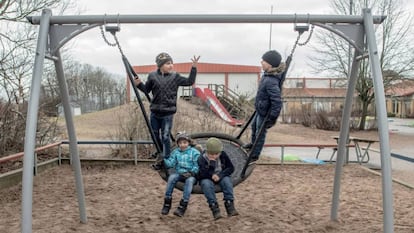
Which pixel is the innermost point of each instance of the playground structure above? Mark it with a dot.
(55, 31)
(214, 104)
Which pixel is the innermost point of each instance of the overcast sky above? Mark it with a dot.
(215, 43)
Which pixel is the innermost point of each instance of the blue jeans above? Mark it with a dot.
(208, 187)
(162, 130)
(257, 123)
(188, 186)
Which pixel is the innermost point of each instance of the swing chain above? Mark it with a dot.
(301, 43)
(116, 43)
(106, 39)
(112, 30)
(307, 39)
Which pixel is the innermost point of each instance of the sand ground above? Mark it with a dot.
(274, 198)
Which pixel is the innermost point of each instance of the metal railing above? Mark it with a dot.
(21, 154)
(60, 143)
(93, 142)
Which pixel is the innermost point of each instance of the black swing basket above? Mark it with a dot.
(232, 146)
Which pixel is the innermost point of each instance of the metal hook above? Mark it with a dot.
(301, 28)
(113, 29)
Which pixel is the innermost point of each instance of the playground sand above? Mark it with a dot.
(274, 198)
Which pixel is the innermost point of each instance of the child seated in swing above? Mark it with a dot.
(184, 160)
(216, 168)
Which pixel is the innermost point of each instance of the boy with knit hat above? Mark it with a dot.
(163, 84)
(268, 102)
(215, 167)
(184, 160)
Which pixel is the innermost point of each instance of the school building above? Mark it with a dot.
(314, 94)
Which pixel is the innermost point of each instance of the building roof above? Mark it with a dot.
(203, 68)
(314, 92)
(403, 88)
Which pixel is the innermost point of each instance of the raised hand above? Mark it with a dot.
(195, 60)
(137, 81)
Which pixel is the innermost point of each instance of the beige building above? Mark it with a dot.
(400, 99)
(299, 94)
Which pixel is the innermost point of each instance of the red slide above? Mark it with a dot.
(208, 96)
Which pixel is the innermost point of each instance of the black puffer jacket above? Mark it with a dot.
(207, 167)
(164, 89)
(268, 98)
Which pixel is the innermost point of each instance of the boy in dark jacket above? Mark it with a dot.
(268, 101)
(163, 84)
(215, 167)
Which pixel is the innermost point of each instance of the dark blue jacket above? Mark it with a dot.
(164, 89)
(268, 97)
(207, 167)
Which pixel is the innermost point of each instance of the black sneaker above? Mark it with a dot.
(154, 155)
(247, 146)
(157, 166)
(254, 158)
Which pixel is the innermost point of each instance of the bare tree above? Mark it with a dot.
(93, 87)
(17, 47)
(394, 39)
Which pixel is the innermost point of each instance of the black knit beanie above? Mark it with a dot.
(272, 57)
(162, 58)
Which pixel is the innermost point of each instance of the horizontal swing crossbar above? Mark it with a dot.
(207, 18)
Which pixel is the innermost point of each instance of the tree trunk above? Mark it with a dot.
(364, 114)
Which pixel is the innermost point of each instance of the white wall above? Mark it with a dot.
(76, 111)
(315, 83)
(204, 79)
(243, 84)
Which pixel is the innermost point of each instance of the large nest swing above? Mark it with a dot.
(232, 146)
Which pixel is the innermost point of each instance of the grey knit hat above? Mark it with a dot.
(182, 136)
(163, 58)
(214, 146)
(272, 57)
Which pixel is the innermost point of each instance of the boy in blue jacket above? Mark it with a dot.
(268, 102)
(215, 167)
(184, 159)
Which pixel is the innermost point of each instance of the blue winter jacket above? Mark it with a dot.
(268, 97)
(183, 161)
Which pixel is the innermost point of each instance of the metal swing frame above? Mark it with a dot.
(55, 31)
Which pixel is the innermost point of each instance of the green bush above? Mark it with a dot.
(391, 114)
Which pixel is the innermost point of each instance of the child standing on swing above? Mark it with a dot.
(163, 83)
(268, 101)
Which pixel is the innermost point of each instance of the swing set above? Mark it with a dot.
(232, 145)
(55, 31)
